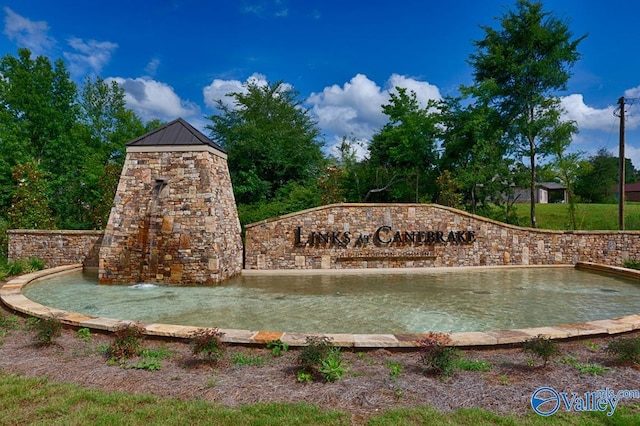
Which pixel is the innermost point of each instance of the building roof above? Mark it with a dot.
(551, 185)
(175, 133)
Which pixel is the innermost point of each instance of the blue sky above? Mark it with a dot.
(175, 58)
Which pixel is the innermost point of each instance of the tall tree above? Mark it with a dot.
(600, 183)
(475, 150)
(105, 126)
(38, 112)
(568, 168)
(405, 148)
(270, 139)
(518, 68)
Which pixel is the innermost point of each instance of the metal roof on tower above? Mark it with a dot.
(175, 133)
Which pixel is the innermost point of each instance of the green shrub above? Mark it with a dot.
(46, 330)
(277, 347)
(469, 365)
(17, 267)
(208, 341)
(626, 350)
(242, 360)
(319, 357)
(435, 354)
(126, 343)
(541, 347)
(331, 367)
(35, 264)
(84, 334)
(632, 264)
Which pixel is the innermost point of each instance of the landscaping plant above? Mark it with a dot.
(126, 343)
(208, 341)
(541, 347)
(626, 350)
(437, 355)
(46, 330)
(320, 357)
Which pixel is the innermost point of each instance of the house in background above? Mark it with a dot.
(546, 192)
(631, 191)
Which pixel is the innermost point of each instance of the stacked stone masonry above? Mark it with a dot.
(342, 236)
(56, 248)
(174, 220)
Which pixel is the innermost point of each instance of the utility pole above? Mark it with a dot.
(622, 164)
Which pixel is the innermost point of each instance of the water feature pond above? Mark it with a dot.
(440, 300)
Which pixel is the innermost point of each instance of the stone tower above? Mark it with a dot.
(174, 217)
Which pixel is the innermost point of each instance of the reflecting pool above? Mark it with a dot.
(439, 300)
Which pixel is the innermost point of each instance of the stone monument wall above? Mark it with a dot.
(56, 248)
(420, 235)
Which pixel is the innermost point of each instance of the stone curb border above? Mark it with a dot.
(11, 295)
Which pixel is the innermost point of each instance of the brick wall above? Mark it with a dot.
(420, 235)
(56, 248)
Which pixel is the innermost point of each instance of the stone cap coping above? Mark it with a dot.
(11, 295)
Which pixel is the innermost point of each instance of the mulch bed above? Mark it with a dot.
(366, 388)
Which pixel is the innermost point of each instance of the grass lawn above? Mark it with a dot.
(589, 216)
(38, 401)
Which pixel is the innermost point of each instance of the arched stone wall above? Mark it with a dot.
(420, 235)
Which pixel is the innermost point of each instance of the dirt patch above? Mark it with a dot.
(368, 386)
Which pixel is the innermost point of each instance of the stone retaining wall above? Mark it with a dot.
(420, 235)
(56, 248)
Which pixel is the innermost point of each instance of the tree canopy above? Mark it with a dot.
(271, 141)
(518, 69)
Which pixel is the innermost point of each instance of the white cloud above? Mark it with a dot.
(354, 110)
(585, 116)
(153, 99)
(89, 56)
(219, 89)
(633, 154)
(152, 67)
(26, 33)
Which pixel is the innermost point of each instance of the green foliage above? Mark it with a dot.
(395, 369)
(241, 360)
(599, 184)
(84, 334)
(21, 266)
(541, 347)
(632, 263)
(270, 139)
(291, 198)
(626, 350)
(59, 143)
(304, 377)
(126, 342)
(46, 330)
(208, 341)
(316, 349)
(277, 347)
(469, 365)
(405, 150)
(331, 367)
(320, 357)
(517, 69)
(593, 369)
(29, 207)
(9, 322)
(147, 364)
(435, 354)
